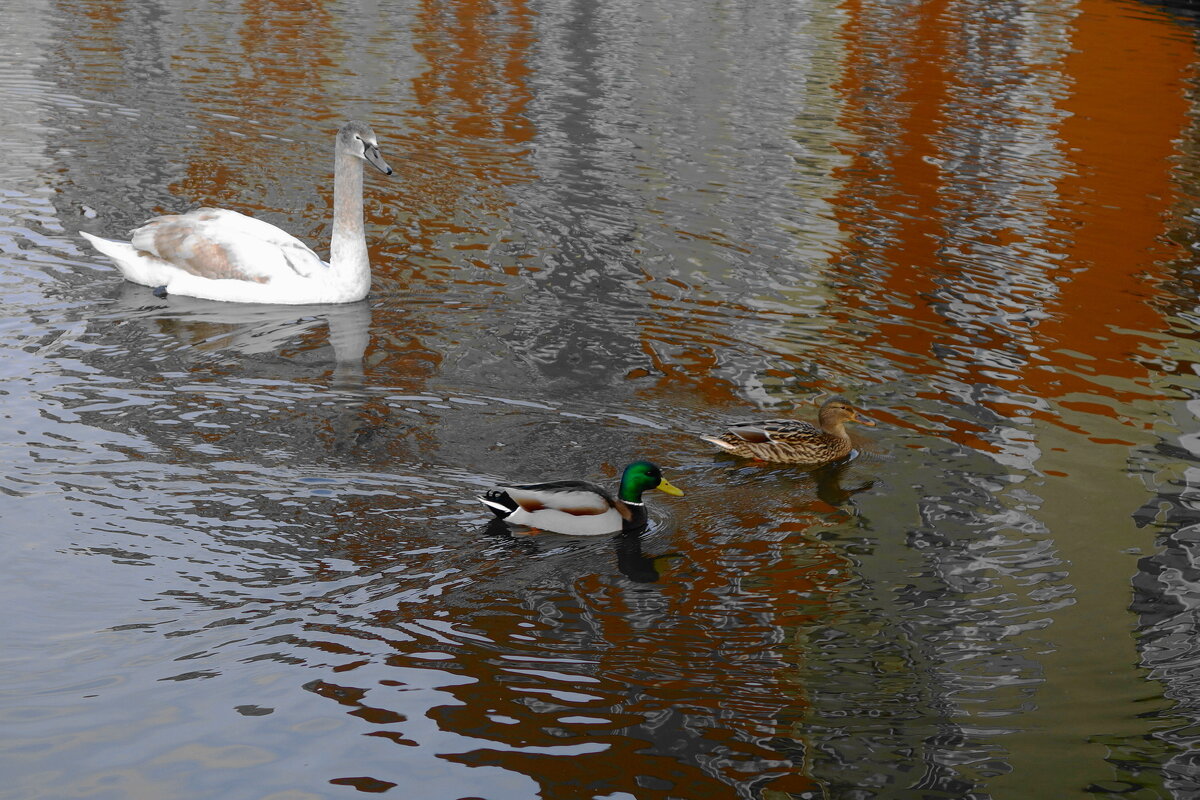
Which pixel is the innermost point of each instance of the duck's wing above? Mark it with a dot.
(219, 244)
(773, 431)
(578, 498)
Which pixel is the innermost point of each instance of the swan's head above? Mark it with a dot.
(357, 139)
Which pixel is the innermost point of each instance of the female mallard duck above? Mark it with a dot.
(791, 441)
(216, 254)
(578, 507)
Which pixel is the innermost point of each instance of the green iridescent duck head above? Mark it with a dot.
(642, 476)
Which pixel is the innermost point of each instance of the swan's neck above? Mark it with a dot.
(348, 250)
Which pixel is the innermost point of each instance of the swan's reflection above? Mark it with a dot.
(295, 334)
(252, 329)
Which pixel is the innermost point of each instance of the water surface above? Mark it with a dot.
(242, 554)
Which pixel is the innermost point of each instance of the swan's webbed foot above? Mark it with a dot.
(160, 291)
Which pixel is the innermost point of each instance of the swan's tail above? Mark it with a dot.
(111, 248)
(135, 265)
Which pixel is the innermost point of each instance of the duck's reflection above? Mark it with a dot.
(497, 529)
(631, 561)
(829, 483)
(828, 480)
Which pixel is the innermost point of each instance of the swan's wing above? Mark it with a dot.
(572, 497)
(220, 244)
(772, 430)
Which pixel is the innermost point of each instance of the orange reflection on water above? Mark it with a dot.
(986, 277)
(468, 134)
(1126, 114)
(649, 671)
(463, 138)
(284, 61)
(475, 86)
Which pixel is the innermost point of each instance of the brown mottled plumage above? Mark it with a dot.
(792, 441)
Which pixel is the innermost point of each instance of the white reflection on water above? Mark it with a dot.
(243, 556)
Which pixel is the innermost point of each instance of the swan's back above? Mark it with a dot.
(219, 244)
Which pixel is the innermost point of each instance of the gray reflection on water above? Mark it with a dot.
(1168, 606)
(242, 540)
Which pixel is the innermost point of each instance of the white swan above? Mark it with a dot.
(215, 254)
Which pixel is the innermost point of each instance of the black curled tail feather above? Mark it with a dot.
(499, 502)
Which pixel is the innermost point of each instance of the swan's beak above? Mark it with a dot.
(664, 486)
(371, 154)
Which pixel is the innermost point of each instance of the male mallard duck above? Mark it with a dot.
(578, 507)
(792, 441)
(215, 254)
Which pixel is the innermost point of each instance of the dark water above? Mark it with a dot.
(241, 554)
